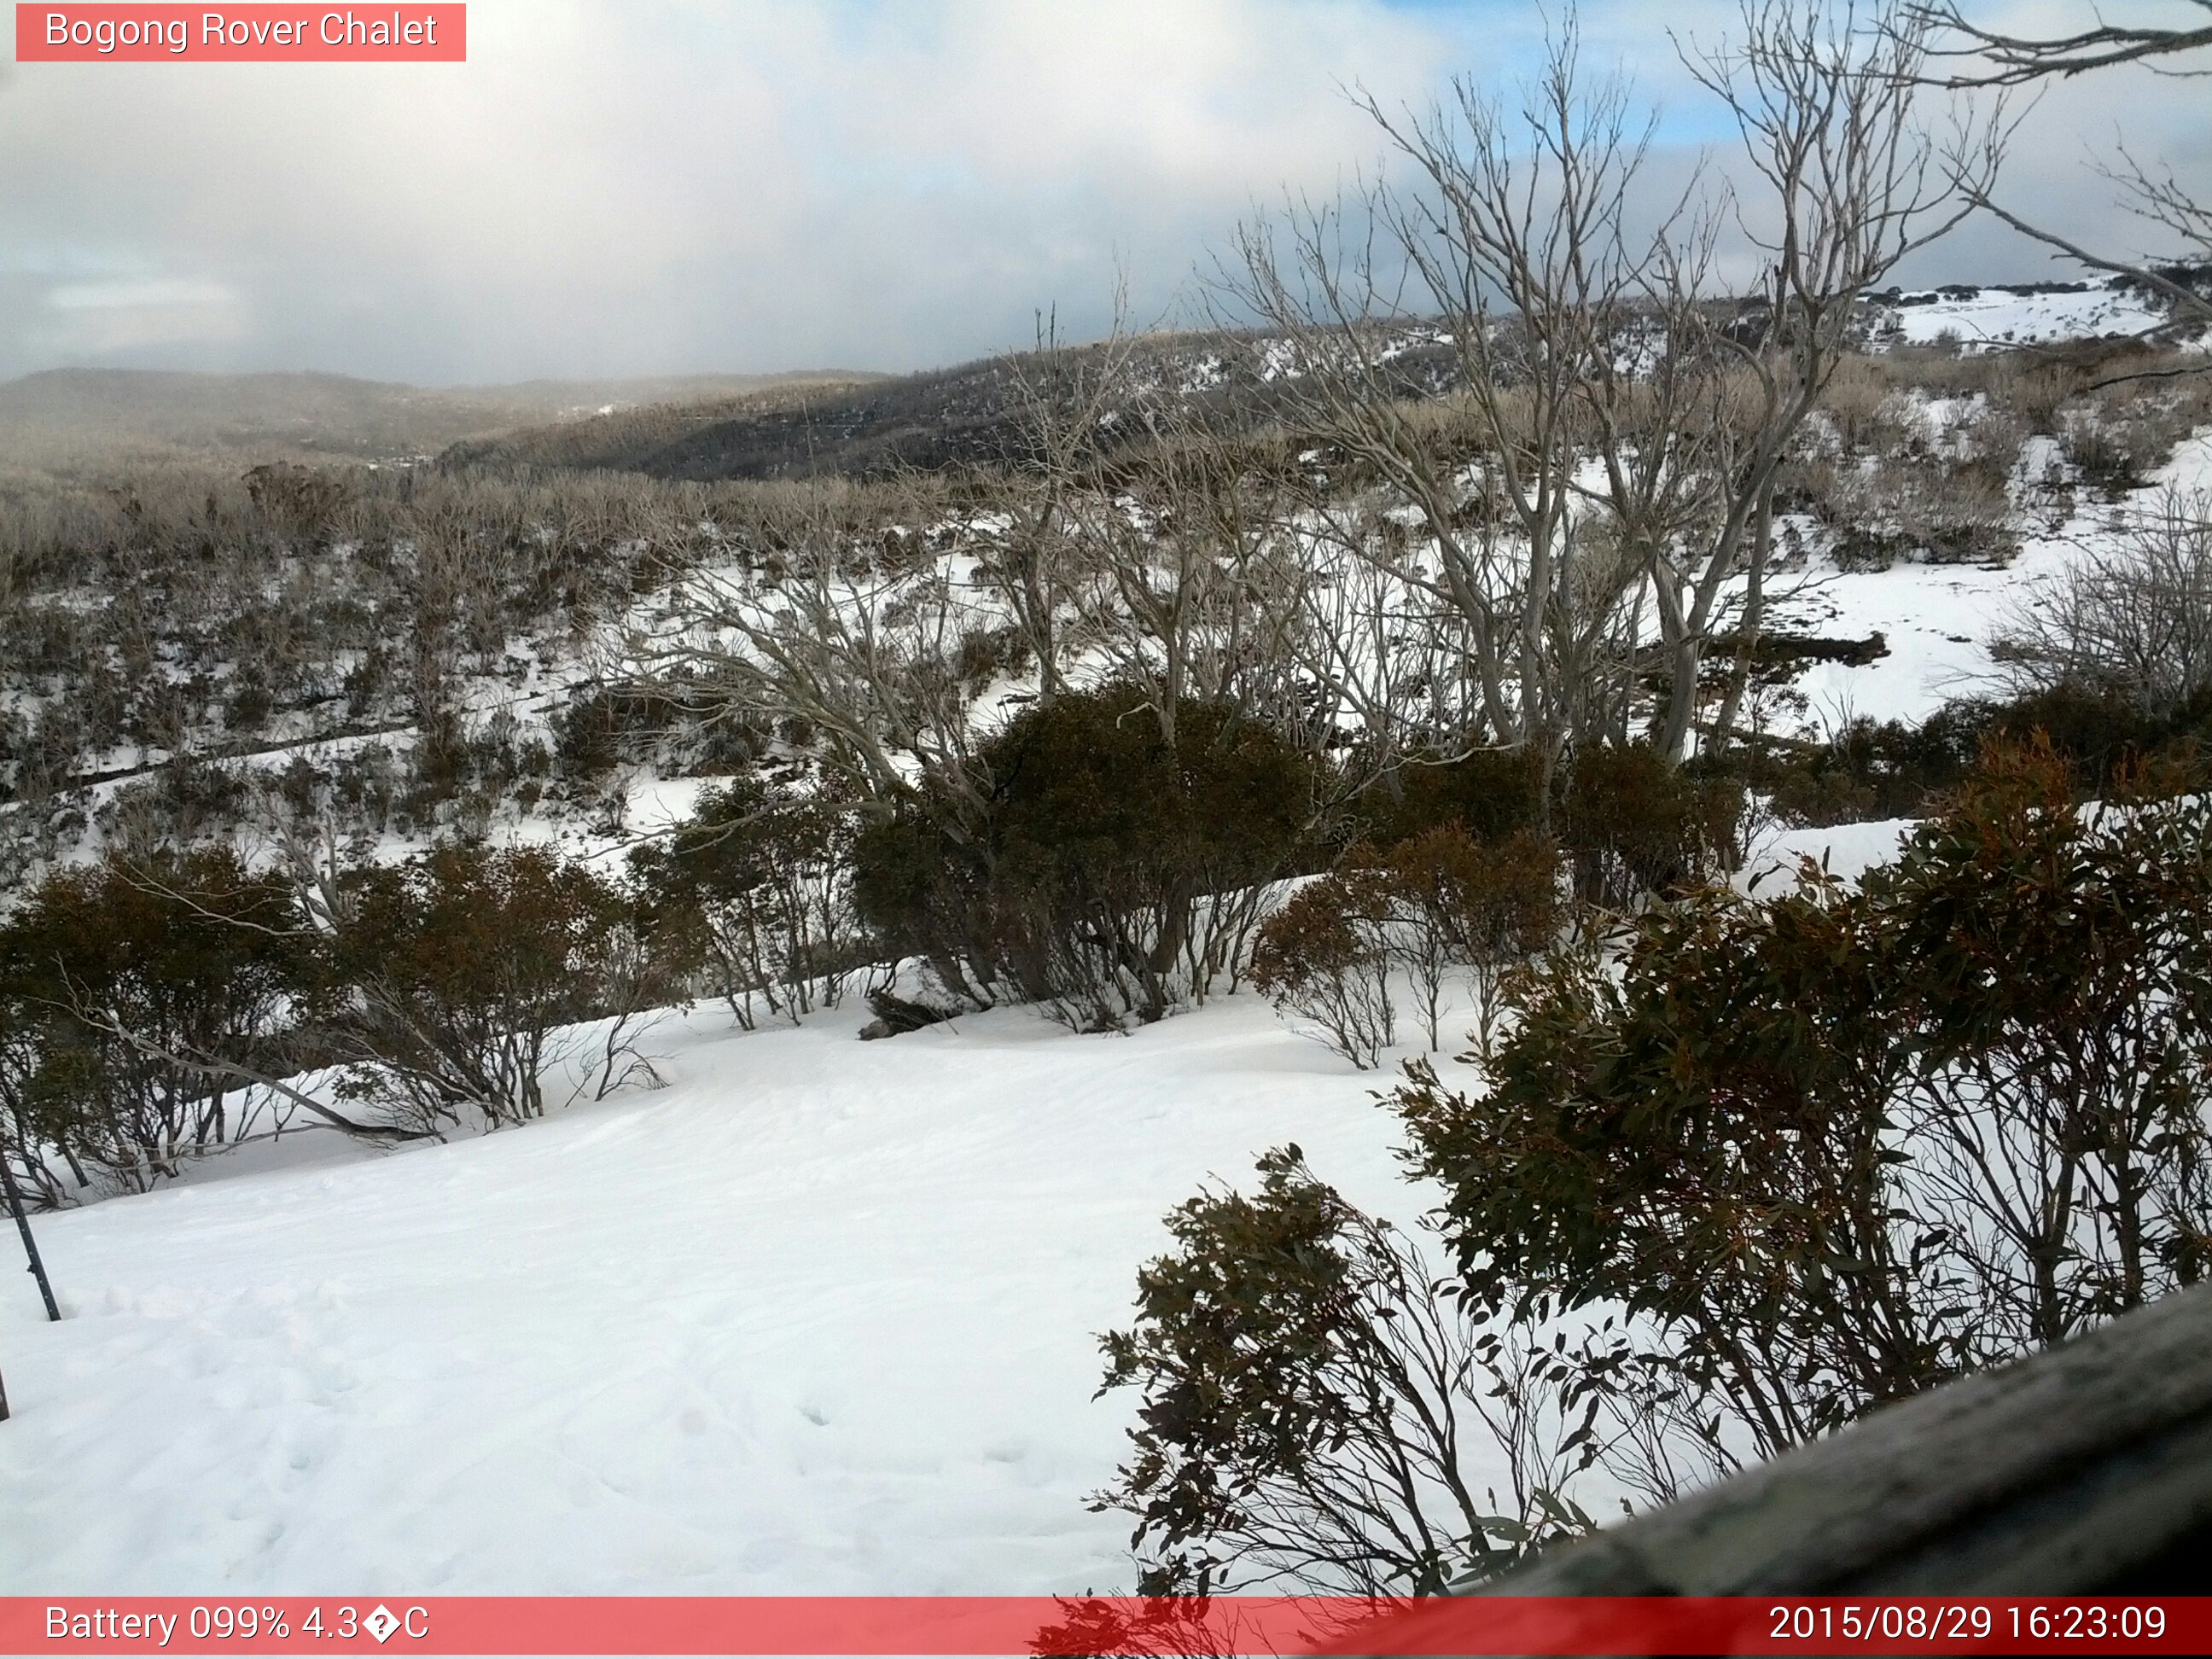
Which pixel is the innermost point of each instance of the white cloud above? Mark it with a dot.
(613, 185)
(159, 293)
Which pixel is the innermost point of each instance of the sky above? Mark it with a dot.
(647, 186)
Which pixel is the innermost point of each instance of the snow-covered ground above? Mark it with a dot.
(1936, 619)
(819, 1316)
(1846, 851)
(2000, 317)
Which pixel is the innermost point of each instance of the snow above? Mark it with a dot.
(1998, 317)
(1936, 619)
(1846, 851)
(818, 1317)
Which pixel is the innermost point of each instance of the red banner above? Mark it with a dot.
(78, 34)
(1024, 1625)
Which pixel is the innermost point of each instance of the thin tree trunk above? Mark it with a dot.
(1754, 618)
(30, 1249)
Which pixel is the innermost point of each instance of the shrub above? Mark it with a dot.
(1877, 769)
(129, 992)
(1869, 769)
(1465, 904)
(1096, 867)
(1489, 793)
(1633, 825)
(1314, 1400)
(759, 886)
(1835, 1146)
(2117, 440)
(610, 726)
(453, 981)
(2134, 625)
(1326, 956)
(1915, 507)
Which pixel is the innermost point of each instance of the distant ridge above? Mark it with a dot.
(58, 411)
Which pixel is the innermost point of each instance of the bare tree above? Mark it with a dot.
(2013, 60)
(2153, 194)
(1830, 107)
(1200, 580)
(1509, 254)
(1070, 401)
(1577, 336)
(860, 650)
(2135, 622)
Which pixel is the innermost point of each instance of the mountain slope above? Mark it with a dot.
(94, 410)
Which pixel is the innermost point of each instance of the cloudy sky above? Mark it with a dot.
(619, 186)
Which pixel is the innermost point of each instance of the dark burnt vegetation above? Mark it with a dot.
(975, 415)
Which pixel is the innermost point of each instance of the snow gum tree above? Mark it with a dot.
(1604, 450)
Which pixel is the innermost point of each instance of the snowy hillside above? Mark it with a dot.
(2032, 315)
(1935, 619)
(818, 1316)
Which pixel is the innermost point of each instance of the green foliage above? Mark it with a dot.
(1098, 868)
(757, 886)
(1835, 1146)
(451, 975)
(1310, 1399)
(1890, 768)
(1632, 825)
(120, 984)
(2102, 737)
(1489, 794)
(1877, 770)
(2051, 968)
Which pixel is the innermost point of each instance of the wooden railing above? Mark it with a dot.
(2085, 1470)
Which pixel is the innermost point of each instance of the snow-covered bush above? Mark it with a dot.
(1888, 508)
(2116, 440)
